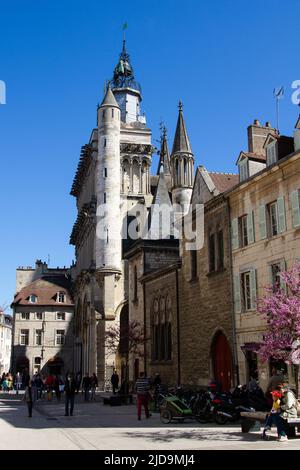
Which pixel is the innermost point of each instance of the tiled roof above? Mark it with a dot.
(224, 181)
(45, 290)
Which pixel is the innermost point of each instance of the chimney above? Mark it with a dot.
(257, 135)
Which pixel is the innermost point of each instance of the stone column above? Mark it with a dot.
(131, 176)
(140, 177)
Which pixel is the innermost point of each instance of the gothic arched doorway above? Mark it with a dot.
(222, 361)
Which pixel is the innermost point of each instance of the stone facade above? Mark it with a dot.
(205, 302)
(264, 212)
(43, 326)
(5, 342)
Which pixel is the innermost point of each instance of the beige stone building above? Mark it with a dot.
(5, 341)
(43, 312)
(265, 222)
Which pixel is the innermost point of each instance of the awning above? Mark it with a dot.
(254, 347)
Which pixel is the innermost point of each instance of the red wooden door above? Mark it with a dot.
(222, 362)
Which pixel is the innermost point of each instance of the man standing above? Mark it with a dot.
(142, 388)
(115, 381)
(70, 388)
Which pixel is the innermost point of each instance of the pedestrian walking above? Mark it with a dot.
(28, 398)
(18, 382)
(86, 385)
(78, 381)
(70, 388)
(142, 387)
(94, 385)
(114, 381)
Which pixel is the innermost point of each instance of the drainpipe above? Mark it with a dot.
(145, 330)
(234, 344)
(178, 331)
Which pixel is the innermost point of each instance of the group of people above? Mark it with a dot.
(38, 385)
(284, 405)
(6, 382)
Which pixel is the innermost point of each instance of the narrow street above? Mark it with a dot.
(95, 426)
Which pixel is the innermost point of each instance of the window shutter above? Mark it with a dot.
(270, 275)
(281, 214)
(262, 222)
(250, 227)
(282, 268)
(237, 293)
(253, 288)
(234, 234)
(294, 196)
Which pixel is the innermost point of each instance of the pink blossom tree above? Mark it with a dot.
(280, 307)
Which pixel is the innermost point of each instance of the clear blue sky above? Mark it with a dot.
(222, 58)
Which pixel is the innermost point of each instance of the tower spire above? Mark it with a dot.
(181, 139)
(164, 155)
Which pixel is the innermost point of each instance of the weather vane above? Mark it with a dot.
(278, 93)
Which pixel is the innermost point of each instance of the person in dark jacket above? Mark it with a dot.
(86, 385)
(70, 388)
(114, 381)
(28, 398)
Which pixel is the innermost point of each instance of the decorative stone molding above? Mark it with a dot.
(127, 147)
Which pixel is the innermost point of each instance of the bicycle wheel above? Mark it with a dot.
(165, 416)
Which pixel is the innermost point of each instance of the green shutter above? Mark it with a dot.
(234, 234)
(253, 288)
(282, 268)
(281, 214)
(262, 222)
(237, 293)
(250, 227)
(270, 274)
(294, 196)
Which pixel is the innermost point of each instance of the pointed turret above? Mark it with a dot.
(164, 155)
(182, 165)
(109, 99)
(181, 139)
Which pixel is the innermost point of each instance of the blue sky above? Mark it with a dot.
(222, 58)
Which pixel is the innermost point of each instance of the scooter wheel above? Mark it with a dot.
(202, 418)
(220, 419)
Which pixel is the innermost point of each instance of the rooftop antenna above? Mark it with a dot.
(48, 260)
(278, 94)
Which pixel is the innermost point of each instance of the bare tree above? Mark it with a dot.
(128, 340)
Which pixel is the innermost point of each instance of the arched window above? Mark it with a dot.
(162, 330)
(32, 298)
(177, 173)
(185, 172)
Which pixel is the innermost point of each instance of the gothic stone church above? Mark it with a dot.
(182, 304)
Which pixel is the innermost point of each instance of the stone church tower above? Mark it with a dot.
(113, 175)
(112, 178)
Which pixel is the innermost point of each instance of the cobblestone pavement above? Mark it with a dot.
(98, 426)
